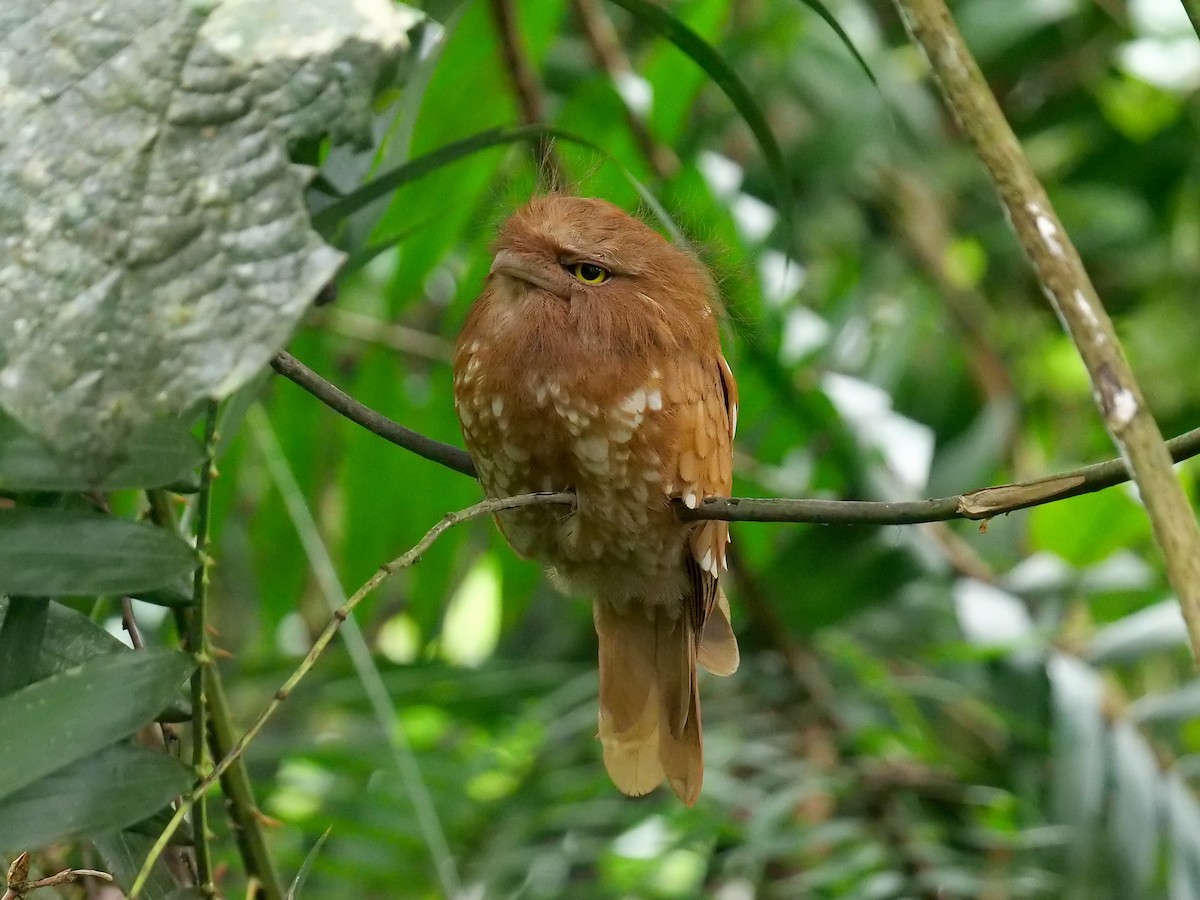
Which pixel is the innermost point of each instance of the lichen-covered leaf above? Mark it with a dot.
(156, 247)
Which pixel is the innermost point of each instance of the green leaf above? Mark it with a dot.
(164, 454)
(71, 638)
(827, 17)
(431, 162)
(21, 642)
(297, 886)
(177, 593)
(59, 552)
(170, 254)
(118, 786)
(123, 853)
(710, 60)
(1086, 529)
(66, 717)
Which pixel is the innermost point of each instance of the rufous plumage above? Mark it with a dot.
(592, 362)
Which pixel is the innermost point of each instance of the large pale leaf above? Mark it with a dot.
(156, 246)
(63, 718)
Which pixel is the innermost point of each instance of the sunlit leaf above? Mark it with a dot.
(1156, 627)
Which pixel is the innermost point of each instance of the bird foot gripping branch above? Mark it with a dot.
(592, 362)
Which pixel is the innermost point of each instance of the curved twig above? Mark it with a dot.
(412, 556)
(376, 423)
(979, 504)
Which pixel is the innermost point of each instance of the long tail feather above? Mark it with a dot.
(649, 704)
(718, 645)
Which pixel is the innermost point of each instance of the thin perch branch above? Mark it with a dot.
(339, 401)
(980, 504)
(484, 508)
(1070, 291)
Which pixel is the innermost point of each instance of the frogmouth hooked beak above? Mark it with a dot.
(516, 266)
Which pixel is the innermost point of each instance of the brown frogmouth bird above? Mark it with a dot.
(592, 363)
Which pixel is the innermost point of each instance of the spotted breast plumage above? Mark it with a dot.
(592, 362)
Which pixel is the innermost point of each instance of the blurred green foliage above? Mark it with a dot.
(931, 711)
(918, 713)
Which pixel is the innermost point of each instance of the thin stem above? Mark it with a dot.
(984, 503)
(339, 401)
(398, 337)
(129, 623)
(413, 555)
(390, 724)
(198, 645)
(236, 785)
(1070, 291)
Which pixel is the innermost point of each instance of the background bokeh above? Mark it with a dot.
(927, 711)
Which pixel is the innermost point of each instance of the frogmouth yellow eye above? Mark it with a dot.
(588, 273)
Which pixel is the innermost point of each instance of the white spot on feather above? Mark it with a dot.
(706, 562)
(497, 406)
(515, 453)
(690, 501)
(654, 399)
(592, 448)
(733, 420)
(635, 402)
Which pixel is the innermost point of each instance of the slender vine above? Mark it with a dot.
(413, 555)
(197, 642)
